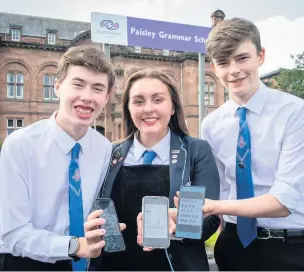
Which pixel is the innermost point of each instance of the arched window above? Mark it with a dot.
(14, 85)
(48, 88)
(209, 94)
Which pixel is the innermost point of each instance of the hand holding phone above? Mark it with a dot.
(113, 238)
(155, 222)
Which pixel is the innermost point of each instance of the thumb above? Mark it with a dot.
(175, 201)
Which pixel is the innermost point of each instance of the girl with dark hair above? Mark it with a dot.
(154, 123)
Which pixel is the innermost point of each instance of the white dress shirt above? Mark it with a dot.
(162, 150)
(276, 123)
(34, 187)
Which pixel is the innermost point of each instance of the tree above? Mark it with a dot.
(299, 60)
(291, 81)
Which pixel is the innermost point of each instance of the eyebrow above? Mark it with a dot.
(94, 84)
(242, 55)
(139, 95)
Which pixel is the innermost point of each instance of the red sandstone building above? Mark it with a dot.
(31, 46)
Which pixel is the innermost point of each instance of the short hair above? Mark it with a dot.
(177, 123)
(225, 38)
(89, 57)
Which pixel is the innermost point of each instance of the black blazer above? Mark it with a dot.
(195, 165)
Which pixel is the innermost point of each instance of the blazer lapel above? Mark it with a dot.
(178, 158)
(118, 157)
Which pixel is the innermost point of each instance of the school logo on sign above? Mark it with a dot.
(109, 24)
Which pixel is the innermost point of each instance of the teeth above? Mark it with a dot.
(83, 111)
(150, 119)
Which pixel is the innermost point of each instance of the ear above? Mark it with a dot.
(261, 56)
(57, 86)
(212, 66)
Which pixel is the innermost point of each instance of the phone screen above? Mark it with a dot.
(190, 215)
(113, 237)
(155, 222)
(155, 218)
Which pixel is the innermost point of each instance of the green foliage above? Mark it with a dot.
(291, 81)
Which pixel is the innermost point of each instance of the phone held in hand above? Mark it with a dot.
(155, 222)
(113, 237)
(190, 215)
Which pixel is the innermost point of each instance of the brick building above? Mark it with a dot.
(31, 46)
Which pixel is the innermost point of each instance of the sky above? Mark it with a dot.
(281, 23)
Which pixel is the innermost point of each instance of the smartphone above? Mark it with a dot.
(113, 237)
(190, 215)
(155, 222)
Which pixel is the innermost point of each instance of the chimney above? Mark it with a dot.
(217, 16)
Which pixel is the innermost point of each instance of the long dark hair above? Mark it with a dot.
(177, 122)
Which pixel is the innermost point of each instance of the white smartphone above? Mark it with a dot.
(155, 222)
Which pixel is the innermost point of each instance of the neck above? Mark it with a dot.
(150, 140)
(75, 132)
(243, 99)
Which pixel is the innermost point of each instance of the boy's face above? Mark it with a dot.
(83, 94)
(240, 72)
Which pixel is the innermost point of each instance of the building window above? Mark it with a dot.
(14, 85)
(166, 52)
(226, 95)
(137, 49)
(51, 38)
(119, 131)
(13, 124)
(48, 88)
(209, 94)
(16, 34)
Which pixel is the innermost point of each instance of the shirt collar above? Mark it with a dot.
(255, 103)
(64, 140)
(160, 148)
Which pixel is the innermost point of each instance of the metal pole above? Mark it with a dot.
(106, 50)
(201, 89)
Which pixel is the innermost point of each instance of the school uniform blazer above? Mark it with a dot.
(194, 165)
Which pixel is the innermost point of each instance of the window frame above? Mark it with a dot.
(15, 83)
(15, 31)
(51, 87)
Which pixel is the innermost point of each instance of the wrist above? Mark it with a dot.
(218, 207)
(82, 251)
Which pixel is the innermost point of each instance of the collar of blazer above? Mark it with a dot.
(179, 164)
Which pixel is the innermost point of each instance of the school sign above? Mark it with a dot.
(130, 31)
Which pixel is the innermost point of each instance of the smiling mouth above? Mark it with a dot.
(150, 120)
(84, 111)
(237, 80)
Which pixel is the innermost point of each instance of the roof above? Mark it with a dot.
(271, 74)
(38, 26)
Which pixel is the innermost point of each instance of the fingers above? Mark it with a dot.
(172, 220)
(97, 233)
(95, 214)
(122, 226)
(139, 229)
(93, 224)
(95, 249)
(176, 199)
